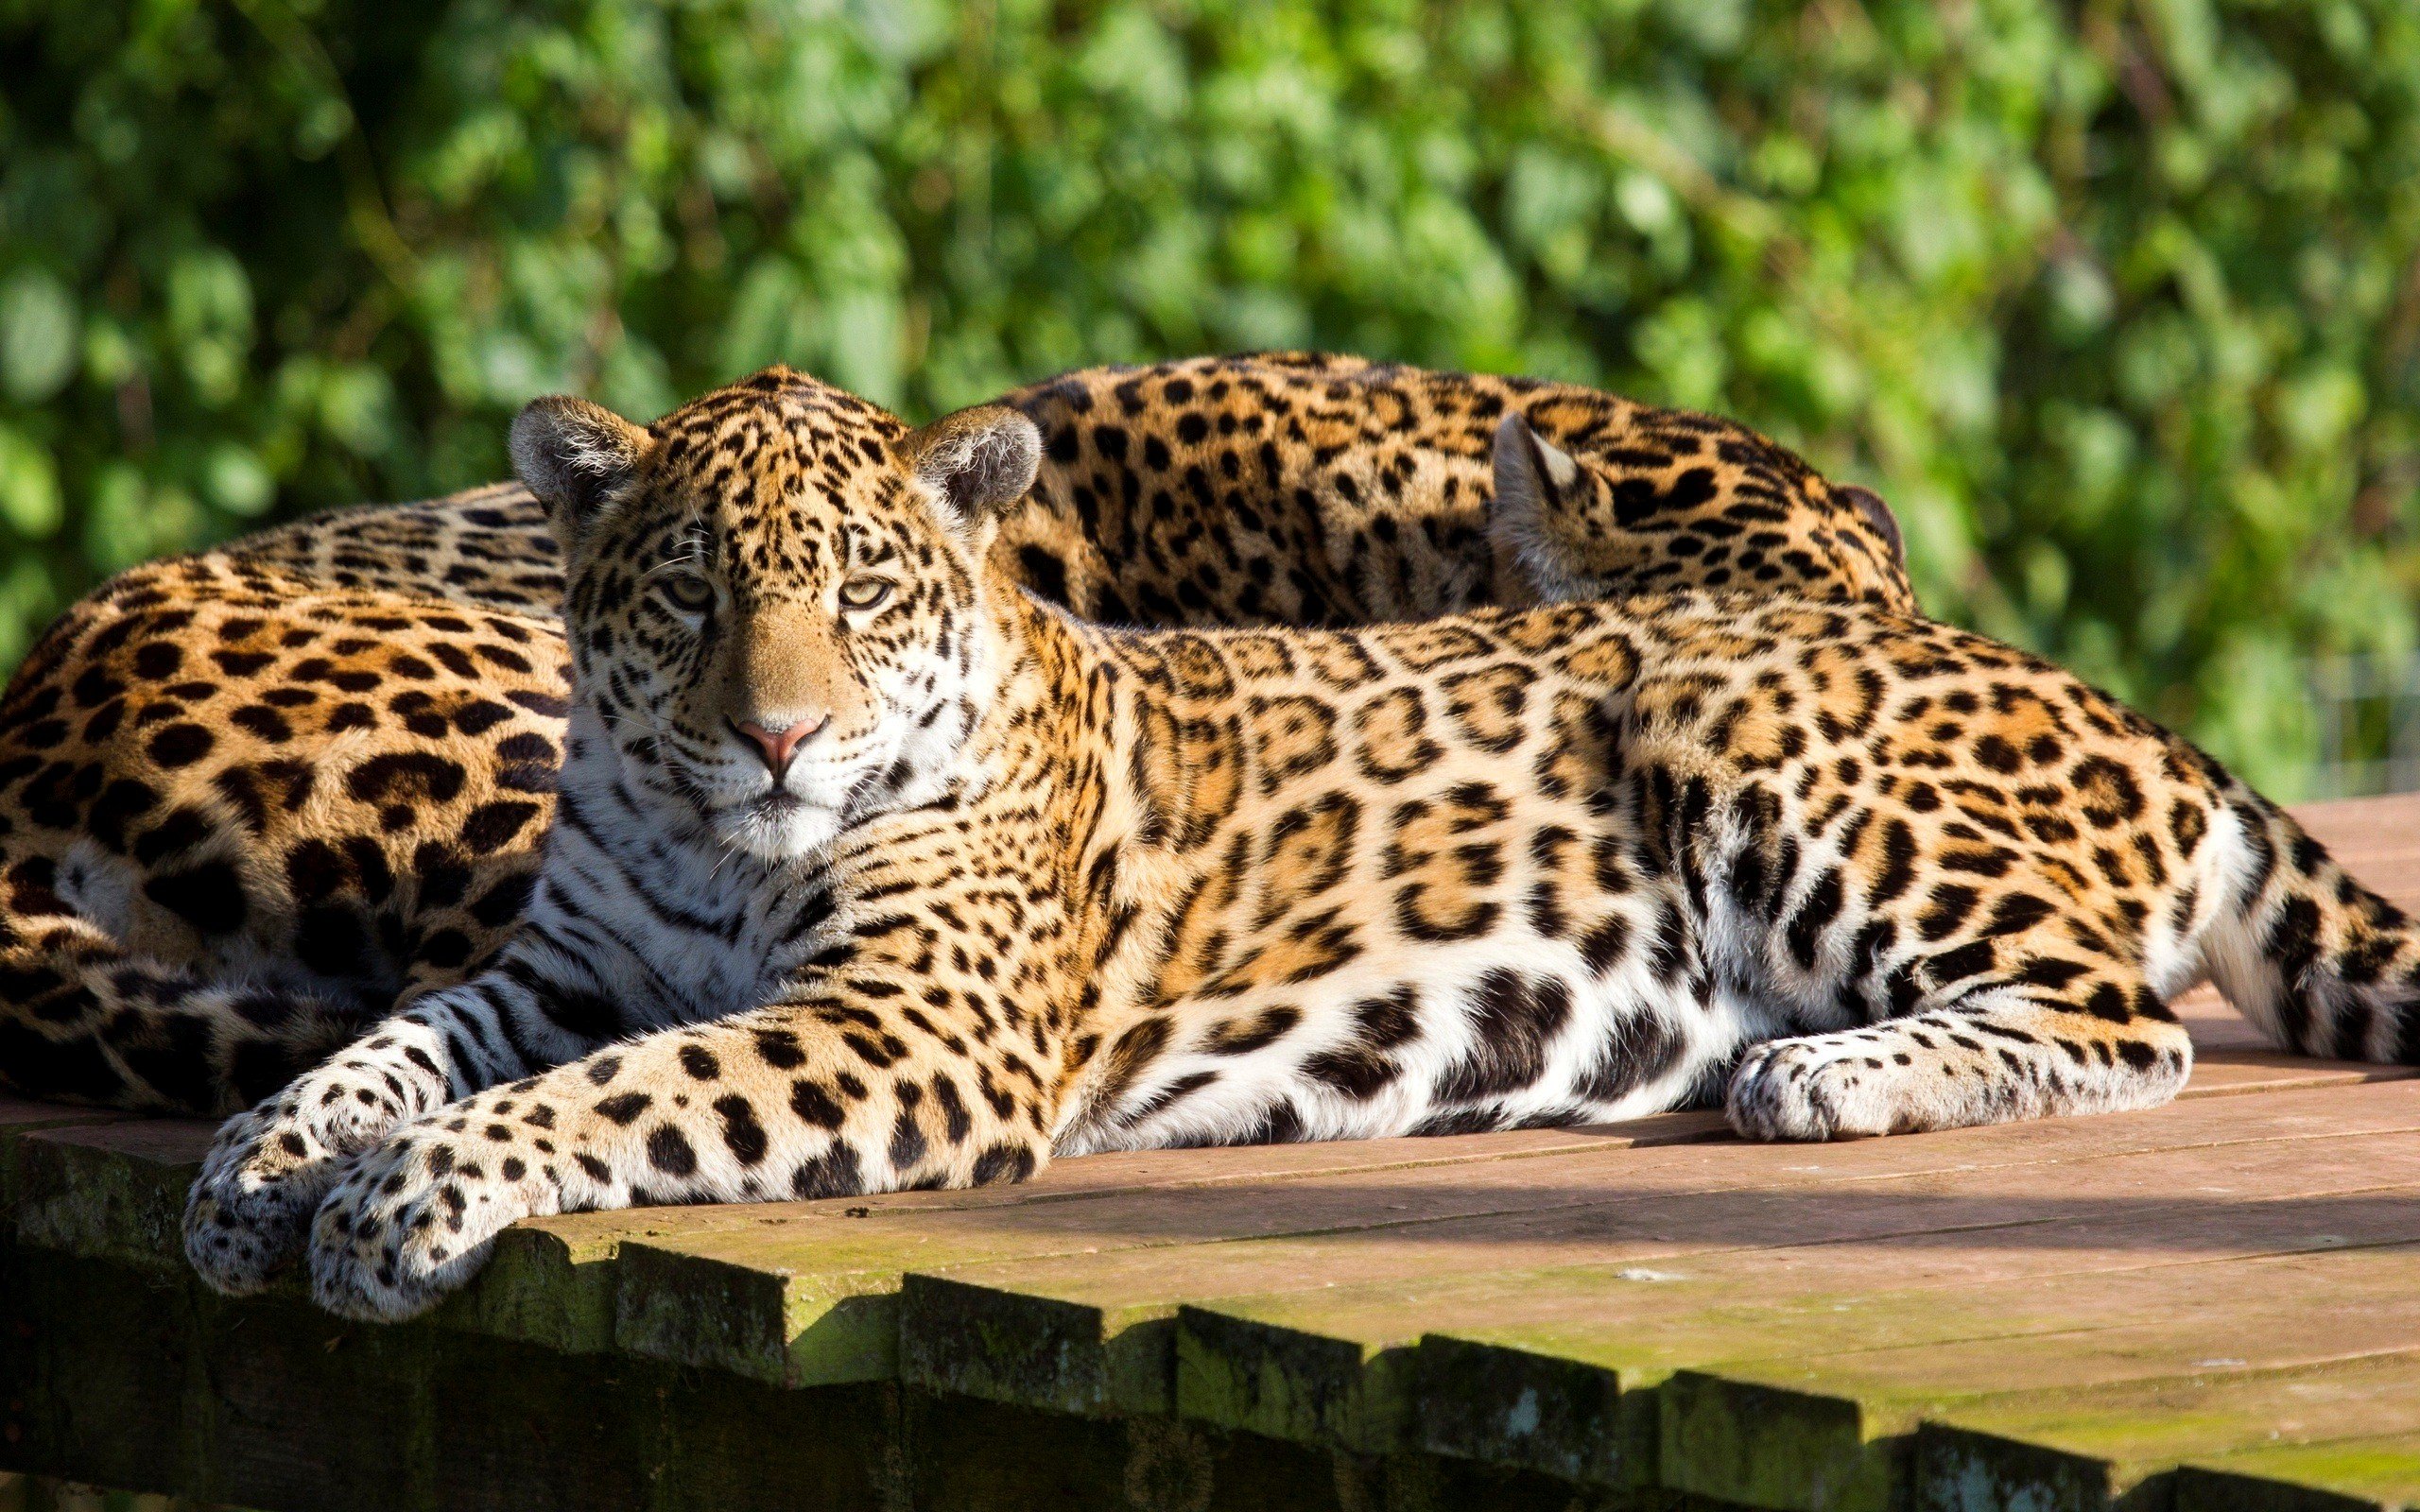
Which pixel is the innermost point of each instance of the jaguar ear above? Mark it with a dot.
(1533, 478)
(1877, 514)
(977, 462)
(575, 456)
(1530, 473)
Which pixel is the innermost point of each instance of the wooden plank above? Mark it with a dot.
(2229, 1071)
(1056, 1329)
(1642, 1313)
(2100, 1447)
(1636, 1314)
(1689, 1309)
(2336, 1476)
(1995, 1377)
(106, 1189)
(19, 1118)
(806, 1292)
(1647, 1311)
(553, 1280)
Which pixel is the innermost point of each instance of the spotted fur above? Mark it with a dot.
(1323, 490)
(251, 800)
(873, 870)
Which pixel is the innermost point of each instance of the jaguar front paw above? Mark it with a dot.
(249, 1209)
(413, 1220)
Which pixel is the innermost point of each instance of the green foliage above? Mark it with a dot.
(2116, 300)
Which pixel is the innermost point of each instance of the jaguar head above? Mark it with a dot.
(775, 596)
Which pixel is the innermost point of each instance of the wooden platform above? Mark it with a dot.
(2211, 1308)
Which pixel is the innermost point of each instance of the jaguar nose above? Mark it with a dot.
(777, 744)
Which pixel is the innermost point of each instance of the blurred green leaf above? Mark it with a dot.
(38, 336)
(29, 485)
(235, 481)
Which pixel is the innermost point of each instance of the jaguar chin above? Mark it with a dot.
(776, 825)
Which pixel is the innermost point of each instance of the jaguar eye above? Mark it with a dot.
(688, 592)
(864, 593)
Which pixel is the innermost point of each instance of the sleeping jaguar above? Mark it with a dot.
(251, 800)
(870, 868)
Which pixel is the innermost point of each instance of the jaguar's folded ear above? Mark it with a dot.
(1530, 518)
(575, 456)
(1530, 472)
(977, 462)
(1877, 514)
